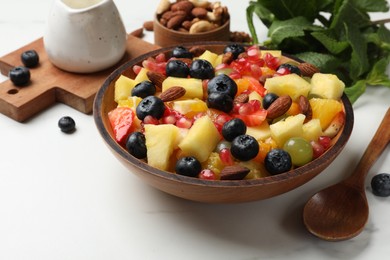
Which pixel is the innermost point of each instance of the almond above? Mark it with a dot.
(185, 6)
(138, 33)
(199, 12)
(279, 107)
(156, 78)
(308, 69)
(172, 93)
(227, 57)
(148, 25)
(305, 107)
(234, 172)
(242, 98)
(197, 50)
(176, 21)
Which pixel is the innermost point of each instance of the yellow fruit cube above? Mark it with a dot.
(131, 102)
(291, 84)
(209, 56)
(141, 76)
(201, 140)
(123, 86)
(260, 132)
(254, 95)
(193, 87)
(161, 141)
(326, 86)
(312, 130)
(325, 110)
(275, 53)
(190, 107)
(287, 128)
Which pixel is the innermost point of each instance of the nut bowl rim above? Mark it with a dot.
(314, 167)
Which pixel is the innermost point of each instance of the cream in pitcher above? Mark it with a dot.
(84, 36)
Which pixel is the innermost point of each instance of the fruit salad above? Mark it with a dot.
(244, 113)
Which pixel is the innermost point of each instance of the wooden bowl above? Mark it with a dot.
(206, 190)
(165, 37)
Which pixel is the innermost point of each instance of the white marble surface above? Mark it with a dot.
(67, 197)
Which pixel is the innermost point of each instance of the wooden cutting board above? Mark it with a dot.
(50, 84)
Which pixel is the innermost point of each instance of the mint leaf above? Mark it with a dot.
(377, 75)
(372, 6)
(295, 27)
(349, 13)
(330, 41)
(355, 91)
(325, 62)
(359, 62)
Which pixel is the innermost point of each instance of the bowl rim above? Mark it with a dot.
(329, 154)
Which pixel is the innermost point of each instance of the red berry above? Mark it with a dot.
(318, 149)
(184, 122)
(325, 141)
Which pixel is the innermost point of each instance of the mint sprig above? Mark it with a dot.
(337, 36)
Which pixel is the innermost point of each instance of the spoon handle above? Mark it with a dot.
(372, 153)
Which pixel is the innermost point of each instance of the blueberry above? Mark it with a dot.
(201, 69)
(177, 68)
(152, 106)
(136, 145)
(220, 101)
(290, 67)
(181, 52)
(380, 185)
(188, 166)
(244, 147)
(20, 75)
(235, 49)
(222, 84)
(30, 58)
(233, 128)
(67, 124)
(268, 99)
(143, 89)
(277, 161)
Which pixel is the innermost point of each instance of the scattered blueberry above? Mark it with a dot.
(244, 147)
(291, 68)
(201, 69)
(380, 185)
(268, 99)
(233, 128)
(177, 68)
(30, 58)
(143, 89)
(188, 166)
(277, 161)
(150, 105)
(181, 52)
(136, 146)
(222, 84)
(220, 101)
(20, 75)
(67, 124)
(235, 49)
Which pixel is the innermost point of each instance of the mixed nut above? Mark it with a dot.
(192, 16)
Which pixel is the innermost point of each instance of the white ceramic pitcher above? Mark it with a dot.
(84, 36)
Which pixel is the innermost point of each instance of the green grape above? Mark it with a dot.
(300, 150)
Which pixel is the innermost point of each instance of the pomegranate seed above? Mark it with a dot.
(246, 109)
(137, 69)
(207, 174)
(226, 156)
(236, 107)
(325, 141)
(161, 58)
(151, 120)
(283, 71)
(171, 119)
(222, 119)
(235, 75)
(271, 61)
(318, 149)
(222, 66)
(256, 105)
(256, 71)
(184, 122)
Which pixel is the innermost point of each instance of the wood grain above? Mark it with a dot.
(50, 85)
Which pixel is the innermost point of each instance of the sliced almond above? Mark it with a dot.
(279, 107)
(234, 172)
(172, 93)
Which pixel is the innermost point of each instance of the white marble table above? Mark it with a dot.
(67, 197)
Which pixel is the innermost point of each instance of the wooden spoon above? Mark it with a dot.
(340, 211)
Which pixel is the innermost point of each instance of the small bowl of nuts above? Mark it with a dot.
(190, 21)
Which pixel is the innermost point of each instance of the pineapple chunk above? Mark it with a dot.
(254, 95)
(325, 110)
(160, 144)
(141, 76)
(260, 132)
(287, 128)
(326, 86)
(190, 107)
(131, 102)
(218, 60)
(123, 86)
(291, 84)
(209, 56)
(193, 87)
(312, 130)
(275, 53)
(201, 140)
